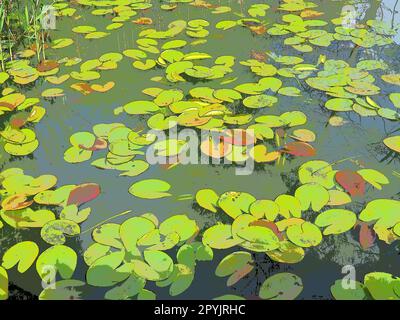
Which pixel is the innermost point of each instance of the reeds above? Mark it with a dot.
(20, 22)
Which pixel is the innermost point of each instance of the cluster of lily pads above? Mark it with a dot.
(376, 285)
(21, 111)
(301, 36)
(29, 203)
(128, 255)
(282, 229)
(352, 88)
(124, 257)
(374, 33)
(121, 143)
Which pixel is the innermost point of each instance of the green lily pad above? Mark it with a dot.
(4, 77)
(208, 199)
(23, 253)
(304, 235)
(107, 270)
(287, 253)
(339, 104)
(126, 290)
(141, 107)
(62, 258)
(63, 290)
(355, 292)
(53, 231)
(386, 213)
(312, 194)
(150, 189)
(382, 286)
(232, 263)
(259, 101)
(220, 237)
(373, 177)
(288, 206)
(317, 171)
(181, 225)
(3, 284)
(108, 234)
(235, 203)
(393, 143)
(336, 221)
(261, 239)
(62, 43)
(281, 286)
(267, 208)
(83, 29)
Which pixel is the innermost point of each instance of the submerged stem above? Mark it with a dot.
(336, 162)
(106, 220)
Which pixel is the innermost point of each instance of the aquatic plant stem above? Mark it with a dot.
(106, 220)
(336, 162)
(2, 59)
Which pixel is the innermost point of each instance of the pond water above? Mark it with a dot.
(358, 138)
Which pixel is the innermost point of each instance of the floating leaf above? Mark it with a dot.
(3, 284)
(220, 237)
(300, 149)
(235, 203)
(393, 143)
(395, 98)
(382, 286)
(366, 236)
(83, 193)
(304, 135)
(63, 290)
(385, 211)
(337, 198)
(107, 270)
(53, 231)
(336, 221)
(352, 291)
(312, 194)
(181, 225)
(62, 43)
(304, 235)
(150, 189)
(288, 206)
(317, 171)
(208, 199)
(267, 208)
(158, 267)
(391, 78)
(62, 258)
(260, 101)
(261, 238)
(83, 29)
(351, 181)
(339, 104)
(287, 253)
(128, 289)
(373, 177)
(281, 286)
(23, 253)
(141, 107)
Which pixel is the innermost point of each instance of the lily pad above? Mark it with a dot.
(150, 189)
(281, 286)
